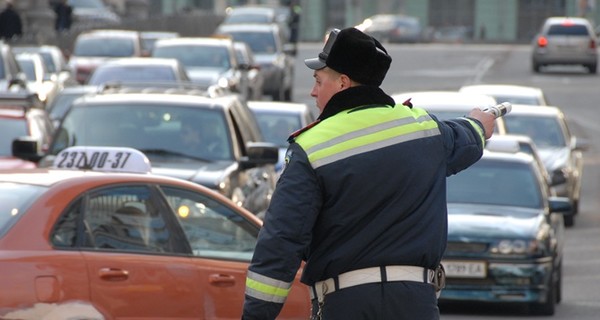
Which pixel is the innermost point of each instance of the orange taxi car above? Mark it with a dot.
(84, 244)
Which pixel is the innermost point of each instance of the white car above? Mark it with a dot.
(561, 151)
(39, 81)
(449, 104)
(515, 94)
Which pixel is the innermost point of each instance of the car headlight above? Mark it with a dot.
(518, 247)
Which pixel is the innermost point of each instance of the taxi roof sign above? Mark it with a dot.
(105, 159)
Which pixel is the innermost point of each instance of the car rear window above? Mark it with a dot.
(15, 198)
(568, 30)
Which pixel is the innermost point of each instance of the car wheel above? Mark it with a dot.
(536, 67)
(546, 308)
(569, 219)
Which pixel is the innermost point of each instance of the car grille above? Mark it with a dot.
(463, 247)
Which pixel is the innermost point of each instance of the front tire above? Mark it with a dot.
(548, 307)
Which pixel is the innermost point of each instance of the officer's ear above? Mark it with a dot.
(346, 82)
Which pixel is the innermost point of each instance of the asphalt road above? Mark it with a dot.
(448, 67)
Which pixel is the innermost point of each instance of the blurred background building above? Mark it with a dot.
(442, 20)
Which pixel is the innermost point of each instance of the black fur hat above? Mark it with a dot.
(353, 53)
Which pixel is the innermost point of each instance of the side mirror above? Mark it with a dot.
(26, 148)
(260, 153)
(290, 48)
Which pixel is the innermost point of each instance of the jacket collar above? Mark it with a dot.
(355, 97)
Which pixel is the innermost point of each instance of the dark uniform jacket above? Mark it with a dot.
(364, 187)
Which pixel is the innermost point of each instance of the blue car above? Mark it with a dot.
(505, 234)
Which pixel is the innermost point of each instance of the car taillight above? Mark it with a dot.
(592, 44)
(542, 42)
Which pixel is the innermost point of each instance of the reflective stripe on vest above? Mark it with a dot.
(351, 133)
(479, 130)
(266, 289)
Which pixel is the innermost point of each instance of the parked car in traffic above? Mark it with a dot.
(261, 14)
(150, 37)
(565, 41)
(396, 28)
(98, 235)
(272, 52)
(207, 61)
(514, 94)
(89, 14)
(250, 71)
(55, 62)
(450, 104)
(139, 70)
(22, 116)
(505, 235)
(11, 76)
(186, 133)
(39, 80)
(278, 120)
(94, 47)
(560, 149)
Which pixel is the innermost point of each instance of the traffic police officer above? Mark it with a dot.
(362, 198)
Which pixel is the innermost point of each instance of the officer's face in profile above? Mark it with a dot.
(327, 83)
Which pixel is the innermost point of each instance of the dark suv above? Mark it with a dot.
(214, 141)
(565, 41)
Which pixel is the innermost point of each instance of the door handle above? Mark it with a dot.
(221, 280)
(111, 274)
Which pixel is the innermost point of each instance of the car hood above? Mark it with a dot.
(468, 220)
(205, 76)
(208, 174)
(554, 158)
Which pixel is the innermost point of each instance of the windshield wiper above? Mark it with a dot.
(164, 152)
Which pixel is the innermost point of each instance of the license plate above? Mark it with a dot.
(465, 269)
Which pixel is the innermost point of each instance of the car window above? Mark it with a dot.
(123, 218)
(28, 67)
(48, 61)
(104, 47)
(196, 55)
(151, 128)
(509, 185)
(15, 198)
(212, 229)
(568, 30)
(277, 127)
(132, 73)
(2, 71)
(259, 42)
(544, 131)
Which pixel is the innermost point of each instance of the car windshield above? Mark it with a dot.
(61, 103)
(507, 184)
(155, 129)
(104, 47)
(15, 198)
(48, 61)
(517, 100)
(568, 30)
(132, 74)
(249, 18)
(545, 132)
(10, 129)
(277, 127)
(196, 55)
(259, 42)
(28, 67)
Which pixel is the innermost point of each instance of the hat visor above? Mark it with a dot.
(315, 63)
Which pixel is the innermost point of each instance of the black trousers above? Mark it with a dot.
(403, 300)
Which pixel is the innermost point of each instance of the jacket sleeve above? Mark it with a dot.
(464, 141)
(284, 237)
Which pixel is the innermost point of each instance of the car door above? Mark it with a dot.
(222, 241)
(138, 265)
